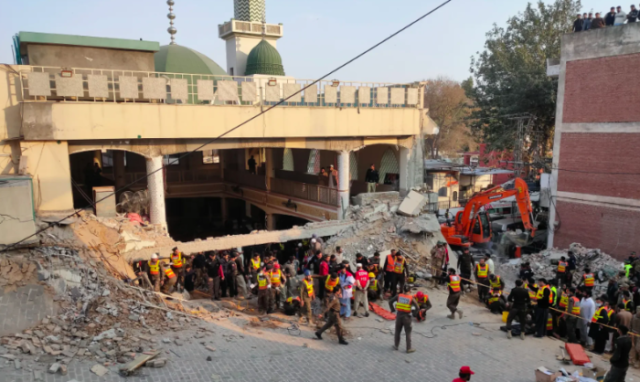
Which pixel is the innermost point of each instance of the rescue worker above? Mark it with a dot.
(482, 277)
(496, 301)
(571, 319)
(466, 264)
(332, 282)
(424, 304)
(306, 297)
(496, 283)
(178, 265)
(389, 268)
(373, 293)
(277, 278)
(600, 333)
(532, 287)
(264, 286)
(628, 301)
(403, 303)
(588, 280)
(333, 316)
(291, 307)
(400, 274)
(169, 281)
(518, 305)
(374, 265)
(151, 273)
(438, 255)
(362, 286)
(561, 271)
(544, 300)
(256, 264)
(453, 284)
(562, 302)
(552, 318)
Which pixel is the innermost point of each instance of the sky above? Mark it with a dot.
(318, 35)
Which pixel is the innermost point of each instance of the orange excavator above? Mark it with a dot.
(472, 226)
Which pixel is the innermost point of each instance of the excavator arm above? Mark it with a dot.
(521, 193)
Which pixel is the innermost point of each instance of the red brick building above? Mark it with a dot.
(595, 183)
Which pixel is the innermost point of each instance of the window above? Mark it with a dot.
(210, 156)
(455, 196)
(287, 160)
(313, 165)
(443, 191)
(107, 159)
(388, 164)
(353, 166)
(171, 160)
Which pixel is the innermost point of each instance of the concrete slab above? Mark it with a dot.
(412, 204)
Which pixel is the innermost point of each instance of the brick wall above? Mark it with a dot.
(613, 230)
(602, 153)
(602, 90)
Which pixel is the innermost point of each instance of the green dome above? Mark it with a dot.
(180, 59)
(264, 59)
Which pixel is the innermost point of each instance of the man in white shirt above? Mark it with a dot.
(492, 267)
(621, 16)
(346, 284)
(587, 310)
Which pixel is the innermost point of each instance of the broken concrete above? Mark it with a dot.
(413, 204)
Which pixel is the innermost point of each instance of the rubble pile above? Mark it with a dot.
(100, 317)
(379, 227)
(545, 263)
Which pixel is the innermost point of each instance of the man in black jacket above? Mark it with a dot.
(542, 307)
(610, 18)
(466, 263)
(578, 24)
(518, 304)
(213, 271)
(620, 358)
(372, 177)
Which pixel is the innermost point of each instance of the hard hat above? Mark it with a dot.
(276, 266)
(371, 274)
(154, 256)
(420, 295)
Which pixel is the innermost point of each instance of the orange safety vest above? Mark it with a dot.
(256, 264)
(291, 299)
(576, 308)
(399, 267)
(588, 279)
(309, 286)
(390, 264)
(599, 314)
(169, 272)
(262, 282)
(541, 294)
(483, 272)
(562, 266)
(275, 277)
(454, 283)
(626, 305)
(564, 300)
(154, 269)
(425, 298)
(176, 259)
(329, 283)
(549, 323)
(404, 303)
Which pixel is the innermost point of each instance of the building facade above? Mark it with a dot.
(595, 182)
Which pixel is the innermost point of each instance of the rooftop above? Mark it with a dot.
(96, 42)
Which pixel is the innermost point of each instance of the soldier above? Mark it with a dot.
(466, 264)
(438, 254)
(306, 296)
(178, 265)
(333, 318)
(403, 303)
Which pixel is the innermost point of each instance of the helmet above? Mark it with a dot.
(371, 274)
(420, 295)
(154, 256)
(276, 266)
(307, 273)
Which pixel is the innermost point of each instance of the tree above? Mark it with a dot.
(510, 74)
(449, 108)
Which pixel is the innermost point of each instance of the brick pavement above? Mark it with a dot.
(259, 354)
(23, 308)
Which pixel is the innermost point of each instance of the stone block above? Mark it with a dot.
(412, 205)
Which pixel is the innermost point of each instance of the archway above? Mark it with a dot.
(385, 158)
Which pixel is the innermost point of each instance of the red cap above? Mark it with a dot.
(466, 370)
(277, 266)
(419, 295)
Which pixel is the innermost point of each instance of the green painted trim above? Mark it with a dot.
(33, 198)
(97, 42)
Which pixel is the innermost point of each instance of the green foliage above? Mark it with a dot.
(510, 74)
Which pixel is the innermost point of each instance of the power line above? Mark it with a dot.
(176, 160)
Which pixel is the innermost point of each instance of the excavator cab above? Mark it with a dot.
(481, 230)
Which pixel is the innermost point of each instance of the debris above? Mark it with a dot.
(63, 369)
(412, 205)
(209, 358)
(54, 368)
(38, 376)
(140, 360)
(17, 364)
(210, 348)
(99, 370)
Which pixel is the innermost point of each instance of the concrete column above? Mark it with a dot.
(224, 209)
(269, 169)
(271, 222)
(155, 184)
(405, 176)
(343, 183)
(222, 152)
(118, 168)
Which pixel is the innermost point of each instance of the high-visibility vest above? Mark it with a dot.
(275, 277)
(373, 285)
(154, 269)
(562, 266)
(601, 313)
(169, 273)
(533, 297)
(176, 260)
(291, 299)
(554, 295)
(564, 300)
(309, 286)
(576, 308)
(541, 294)
(549, 323)
(627, 270)
(482, 272)
(399, 266)
(454, 283)
(390, 264)
(255, 263)
(262, 281)
(424, 300)
(495, 284)
(404, 303)
(330, 283)
(626, 305)
(493, 299)
(374, 268)
(495, 291)
(588, 279)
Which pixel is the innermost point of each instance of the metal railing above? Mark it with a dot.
(245, 178)
(41, 83)
(192, 176)
(312, 192)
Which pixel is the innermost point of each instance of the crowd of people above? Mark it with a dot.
(616, 16)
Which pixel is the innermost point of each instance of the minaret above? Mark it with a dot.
(171, 16)
(245, 31)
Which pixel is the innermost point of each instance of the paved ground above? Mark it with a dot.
(23, 308)
(251, 354)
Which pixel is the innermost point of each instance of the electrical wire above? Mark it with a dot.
(177, 159)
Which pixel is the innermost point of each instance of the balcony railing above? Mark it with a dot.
(245, 178)
(192, 176)
(312, 192)
(40, 83)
